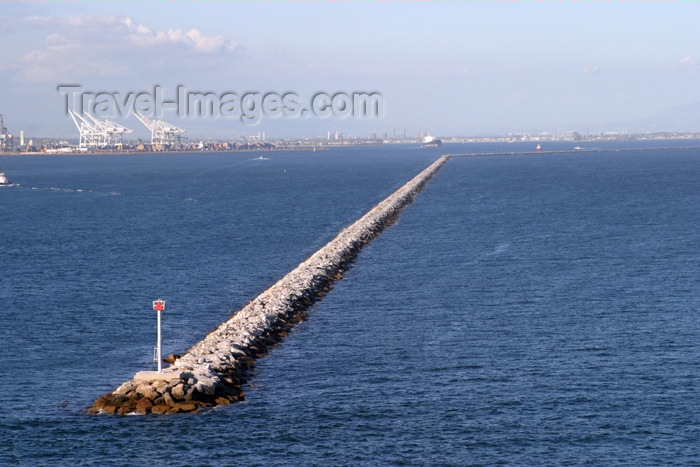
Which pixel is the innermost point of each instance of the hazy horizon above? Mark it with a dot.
(447, 68)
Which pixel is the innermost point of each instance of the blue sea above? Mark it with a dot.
(532, 310)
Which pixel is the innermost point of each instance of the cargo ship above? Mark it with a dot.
(431, 142)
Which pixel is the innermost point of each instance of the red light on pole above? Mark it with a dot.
(158, 306)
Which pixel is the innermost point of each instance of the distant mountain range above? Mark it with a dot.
(682, 118)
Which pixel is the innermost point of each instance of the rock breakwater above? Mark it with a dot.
(214, 370)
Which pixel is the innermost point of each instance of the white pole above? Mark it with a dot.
(158, 345)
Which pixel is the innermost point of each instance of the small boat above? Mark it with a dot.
(539, 148)
(260, 158)
(4, 181)
(578, 148)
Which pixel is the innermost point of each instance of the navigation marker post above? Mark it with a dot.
(158, 306)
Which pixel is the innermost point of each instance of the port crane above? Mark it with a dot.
(5, 137)
(96, 133)
(163, 134)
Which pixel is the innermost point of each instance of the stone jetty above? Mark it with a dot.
(214, 370)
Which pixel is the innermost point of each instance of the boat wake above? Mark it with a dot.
(500, 248)
(75, 190)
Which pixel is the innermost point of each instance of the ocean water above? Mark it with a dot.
(524, 310)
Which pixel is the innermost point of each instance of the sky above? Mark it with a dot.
(471, 67)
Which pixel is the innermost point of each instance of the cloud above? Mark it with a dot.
(84, 46)
(689, 61)
(141, 35)
(686, 64)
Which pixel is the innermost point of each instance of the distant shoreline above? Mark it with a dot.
(326, 148)
(570, 151)
(139, 153)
